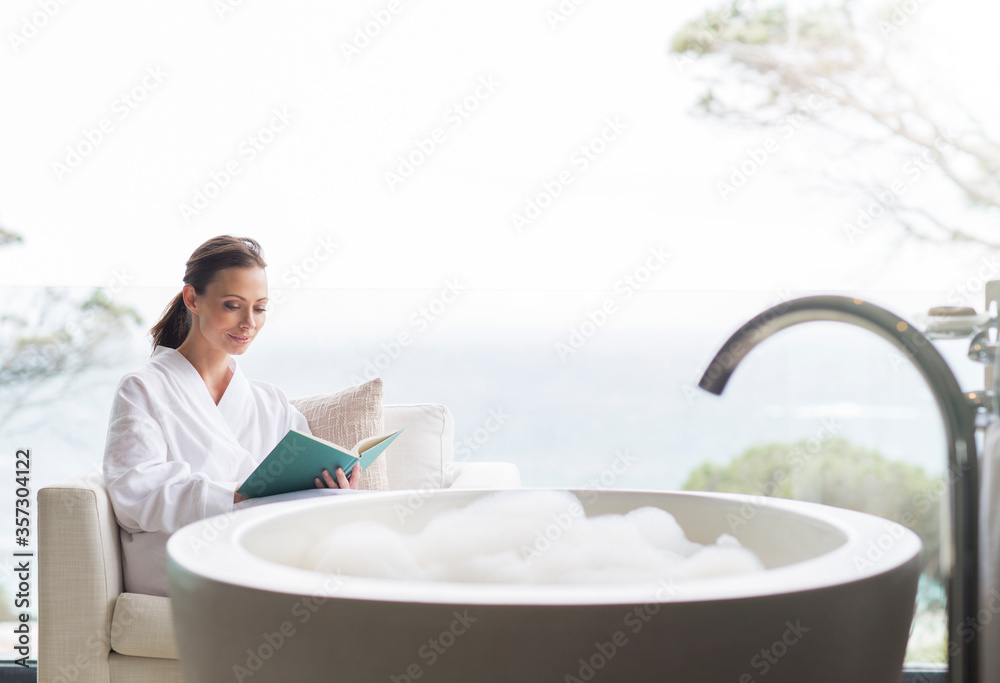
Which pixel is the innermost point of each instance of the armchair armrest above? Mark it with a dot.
(79, 580)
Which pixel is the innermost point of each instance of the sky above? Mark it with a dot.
(382, 146)
(521, 173)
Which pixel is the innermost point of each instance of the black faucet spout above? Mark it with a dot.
(957, 410)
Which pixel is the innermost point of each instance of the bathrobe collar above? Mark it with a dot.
(233, 405)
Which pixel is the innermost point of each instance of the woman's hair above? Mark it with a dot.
(204, 265)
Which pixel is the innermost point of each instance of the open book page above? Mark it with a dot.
(361, 446)
(365, 444)
(345, 449)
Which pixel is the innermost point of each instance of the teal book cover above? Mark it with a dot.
(299, 458)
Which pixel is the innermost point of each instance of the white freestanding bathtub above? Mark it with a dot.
(834, 604)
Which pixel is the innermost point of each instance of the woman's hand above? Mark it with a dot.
(341, 482)
(237, 497)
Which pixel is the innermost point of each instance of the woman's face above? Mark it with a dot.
(231, 312)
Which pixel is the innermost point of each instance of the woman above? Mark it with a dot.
(188, 428)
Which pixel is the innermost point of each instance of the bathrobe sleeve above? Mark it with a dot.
(149, 491)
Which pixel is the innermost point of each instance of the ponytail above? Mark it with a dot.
(173, 326)
(203, 267)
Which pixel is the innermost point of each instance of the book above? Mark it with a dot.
(298, 459)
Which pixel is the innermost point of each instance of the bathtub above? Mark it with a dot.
(834, 603)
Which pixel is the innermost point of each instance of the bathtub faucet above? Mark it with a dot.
(957, 409)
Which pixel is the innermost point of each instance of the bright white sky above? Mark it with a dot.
(323, 174)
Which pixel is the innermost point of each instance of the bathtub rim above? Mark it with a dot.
(226, 560)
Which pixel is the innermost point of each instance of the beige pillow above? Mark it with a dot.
(347, 417)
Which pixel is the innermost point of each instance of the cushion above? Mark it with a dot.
(347, 417)
(143, 626)
(145, 669)
(420, 457)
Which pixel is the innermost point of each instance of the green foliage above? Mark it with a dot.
(823, 30)
(704, 34)
(58, 335)
(51, 339)
(7, 237)
(101, 305)
(838, 473)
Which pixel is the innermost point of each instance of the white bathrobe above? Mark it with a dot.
(173, 456)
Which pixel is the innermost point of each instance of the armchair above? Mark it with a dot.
(92, 631)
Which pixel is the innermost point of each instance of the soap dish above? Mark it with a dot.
(953, 326)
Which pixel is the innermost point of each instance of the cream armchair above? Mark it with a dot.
(89, 630)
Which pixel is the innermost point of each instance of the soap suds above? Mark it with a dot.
(530, 537)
